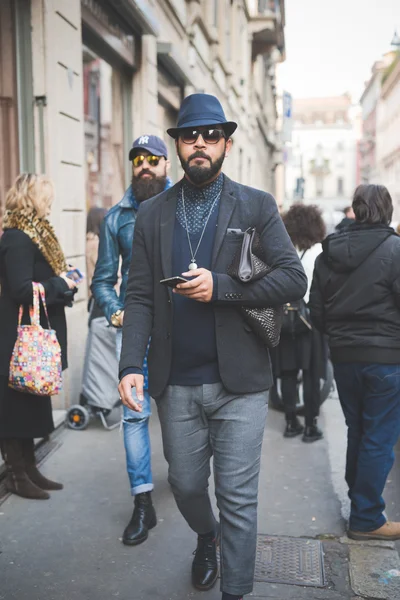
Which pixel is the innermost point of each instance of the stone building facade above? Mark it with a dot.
(79, 79)
(388, 134)
(322, 166)
(369, 105)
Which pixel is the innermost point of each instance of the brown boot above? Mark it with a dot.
(17, 481)
(389, 531)
(32, 471)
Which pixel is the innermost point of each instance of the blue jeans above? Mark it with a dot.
(137, 441)
(370, 399)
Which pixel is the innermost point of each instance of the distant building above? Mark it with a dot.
(388, 133)
(369, 106)
(321, 166)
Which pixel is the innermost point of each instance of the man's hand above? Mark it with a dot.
(125, 391)
(121, 318)
(200, 288)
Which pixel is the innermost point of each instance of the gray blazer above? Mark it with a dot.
(244, 361)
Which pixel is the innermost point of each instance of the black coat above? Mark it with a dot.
(244, 362)
(344, 223)
(355, 294)
(21, 263)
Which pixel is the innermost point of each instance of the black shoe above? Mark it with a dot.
(312, 433)
(293, 427)
(143, 519)
(205, 564)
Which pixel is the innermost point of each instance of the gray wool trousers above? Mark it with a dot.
(200, 422)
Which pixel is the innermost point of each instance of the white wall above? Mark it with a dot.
(57, 47)
(388, 139)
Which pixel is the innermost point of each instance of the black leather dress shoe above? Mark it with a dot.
(293, 427)
(205, 564)
(143, 519)
(312, 433)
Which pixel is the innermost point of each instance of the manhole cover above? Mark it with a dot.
(294, 561)
(288, 560)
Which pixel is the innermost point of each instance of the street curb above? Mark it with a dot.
(374, 568)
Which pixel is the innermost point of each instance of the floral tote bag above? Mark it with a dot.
(35, 365)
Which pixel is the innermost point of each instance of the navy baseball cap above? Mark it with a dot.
(151, 143)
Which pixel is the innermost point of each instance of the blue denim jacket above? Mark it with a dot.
(116, 237)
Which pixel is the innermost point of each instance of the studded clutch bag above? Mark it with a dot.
(249, 265)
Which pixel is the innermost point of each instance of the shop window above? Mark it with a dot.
(104, 131)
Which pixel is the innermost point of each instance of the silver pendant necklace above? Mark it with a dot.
(193, 264)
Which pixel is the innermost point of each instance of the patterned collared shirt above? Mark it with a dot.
(198, 203)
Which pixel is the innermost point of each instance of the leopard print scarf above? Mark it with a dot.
(41, 233)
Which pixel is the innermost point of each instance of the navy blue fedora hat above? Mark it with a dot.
(199, 110)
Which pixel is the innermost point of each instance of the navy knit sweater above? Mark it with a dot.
(194, 350)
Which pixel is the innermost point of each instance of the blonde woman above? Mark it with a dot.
(29, 252)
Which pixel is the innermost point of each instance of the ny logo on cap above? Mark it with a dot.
(144, 139)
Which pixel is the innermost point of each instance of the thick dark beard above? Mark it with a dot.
(144, 189)
(200, 175)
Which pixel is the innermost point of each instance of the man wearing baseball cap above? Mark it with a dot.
(150, 165)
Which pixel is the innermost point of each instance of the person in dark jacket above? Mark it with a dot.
(29, 252)
(347, 220)
(355, 299)
(302, 347)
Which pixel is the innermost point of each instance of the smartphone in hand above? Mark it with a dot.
(173, 281)
(76, 275)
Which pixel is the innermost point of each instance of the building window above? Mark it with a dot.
(264, 5)
(340, 186)
(228, 25)
(319, 186)
(240, 170)
(215, 13)
(105, 124)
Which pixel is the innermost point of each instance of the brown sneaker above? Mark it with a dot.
(390, 531)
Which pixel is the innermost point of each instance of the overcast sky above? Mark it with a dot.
(331, 45)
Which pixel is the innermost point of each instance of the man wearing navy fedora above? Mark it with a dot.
(208, 371)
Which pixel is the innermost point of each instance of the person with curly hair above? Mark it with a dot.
(302, 348)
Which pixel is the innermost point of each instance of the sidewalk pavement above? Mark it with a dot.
(69, 548)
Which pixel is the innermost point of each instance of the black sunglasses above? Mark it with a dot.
(210, 136)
